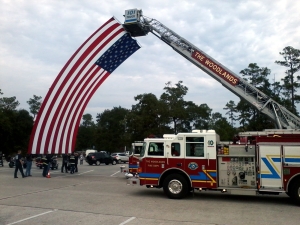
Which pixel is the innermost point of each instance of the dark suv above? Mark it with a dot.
(100, 157)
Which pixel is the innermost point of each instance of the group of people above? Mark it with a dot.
(69, 163)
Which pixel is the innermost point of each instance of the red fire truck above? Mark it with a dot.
(133, 159)
(266, 162)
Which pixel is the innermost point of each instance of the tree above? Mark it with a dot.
(86, 136)
(222, 127)
(110, 130)
(173, 99)
(292, 62)
(250, 117)
(200, 116)
(34, 105)
(9, 103)
(231, 107)
(146, 117)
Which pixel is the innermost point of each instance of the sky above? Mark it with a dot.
(37, 37)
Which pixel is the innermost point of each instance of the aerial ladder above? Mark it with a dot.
(138, 25)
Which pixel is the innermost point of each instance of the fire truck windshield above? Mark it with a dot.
(143, 150)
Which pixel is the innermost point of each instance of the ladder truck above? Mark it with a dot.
(262, 162)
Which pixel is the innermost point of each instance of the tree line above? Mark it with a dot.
(116, 128)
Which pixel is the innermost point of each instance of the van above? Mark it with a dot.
(89, 151)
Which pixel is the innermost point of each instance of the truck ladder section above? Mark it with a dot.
(279, 114)
(268, 132)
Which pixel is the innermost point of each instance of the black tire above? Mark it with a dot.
(175, 186)
(90, 164)
(119, 161)
(294, 193)
(114, 162)
(98, 163)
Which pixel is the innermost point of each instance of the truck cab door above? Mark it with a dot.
(195, 162)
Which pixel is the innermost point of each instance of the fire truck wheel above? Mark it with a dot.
(175, 186)
(295, 192)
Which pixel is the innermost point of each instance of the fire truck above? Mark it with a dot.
(136, 148)
(265, 162)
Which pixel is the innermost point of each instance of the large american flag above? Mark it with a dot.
(56, 125)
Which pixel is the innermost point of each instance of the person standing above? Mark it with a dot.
(72, 163)
(45, 165)
(81, 159)
(76, 162)
(28, 166)
(19, 164)
(64, 163)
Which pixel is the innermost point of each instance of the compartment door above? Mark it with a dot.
(270, 167)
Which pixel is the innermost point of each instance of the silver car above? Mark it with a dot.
(120, 157)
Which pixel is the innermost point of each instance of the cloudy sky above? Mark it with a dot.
(37, 37)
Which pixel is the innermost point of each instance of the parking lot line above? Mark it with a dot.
(127, 221)
(85, 172)
(19, 221)
(115, 173)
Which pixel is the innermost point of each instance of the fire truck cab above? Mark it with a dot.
(262, 163)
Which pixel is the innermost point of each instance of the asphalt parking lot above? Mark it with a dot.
(99, 195)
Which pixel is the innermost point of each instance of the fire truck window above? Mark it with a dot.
(175, 149)
(156, 149)
(195, 146)
(137, 149)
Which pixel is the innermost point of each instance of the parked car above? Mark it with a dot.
(120, 157)
(100, 157)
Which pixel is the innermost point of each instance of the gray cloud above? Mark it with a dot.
(38, 37)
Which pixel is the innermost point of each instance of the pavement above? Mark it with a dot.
(99, 195)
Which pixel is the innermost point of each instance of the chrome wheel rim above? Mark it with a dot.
(175, 186)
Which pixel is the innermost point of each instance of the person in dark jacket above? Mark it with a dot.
(64, 163)
(46, 162)
(72, 163)
(19, 164)
(76, 162)
(29, 164)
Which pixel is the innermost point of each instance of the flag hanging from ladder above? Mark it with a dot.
(56, 125)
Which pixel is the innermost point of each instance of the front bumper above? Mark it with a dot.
(134, 181)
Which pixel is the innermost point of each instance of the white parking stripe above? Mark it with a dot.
(31, 217)
(132, 218)
(115, 173)
(85, 172)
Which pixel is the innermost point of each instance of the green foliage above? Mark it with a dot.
(35, 104)
(292, 62)
(86, 136)
(8, 103)
(110, 130)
